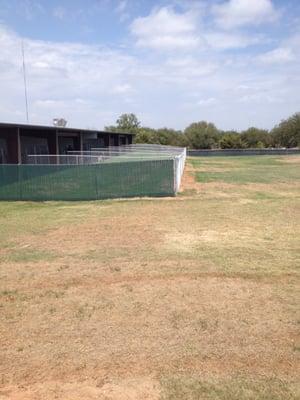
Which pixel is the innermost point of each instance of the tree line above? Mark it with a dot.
(205, 135)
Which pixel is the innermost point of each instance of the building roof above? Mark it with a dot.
(57, 128)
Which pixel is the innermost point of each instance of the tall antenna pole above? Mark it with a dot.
(25, 82)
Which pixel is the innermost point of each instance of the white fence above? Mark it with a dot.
(119, 154)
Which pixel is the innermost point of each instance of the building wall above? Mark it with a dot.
(18, 142)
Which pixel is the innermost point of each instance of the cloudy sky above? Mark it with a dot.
(232, 62)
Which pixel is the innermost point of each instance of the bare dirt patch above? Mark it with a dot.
(225, 323)
(291, 159)
(188, 180)
(128, 389)
(138, 292)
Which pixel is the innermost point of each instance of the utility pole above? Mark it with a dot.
(25, 82)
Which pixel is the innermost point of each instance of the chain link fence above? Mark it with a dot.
(98, 174)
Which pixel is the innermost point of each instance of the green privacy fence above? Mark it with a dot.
(87, 182)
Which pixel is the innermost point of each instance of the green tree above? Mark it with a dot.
(231, 140)
(164, 136)
(256, 138)
(171, 137)
(128, 123)
(287, 133)
(202, 135)
(146, 135)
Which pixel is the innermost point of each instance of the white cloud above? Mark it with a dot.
(164, 29)
(236, 13)
(58, 73)
(30, 8)
(92, 85)
(260, 98)
(207, 102)
(188, 68)
(121, 10)
(50, 103)
(225, 41)
(280, 55)
(122, 88)
(121, 6)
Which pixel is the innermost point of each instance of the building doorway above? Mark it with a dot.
(3, 151)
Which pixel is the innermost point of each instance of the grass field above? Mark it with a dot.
(194, 297)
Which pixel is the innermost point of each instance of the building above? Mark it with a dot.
(19, 140)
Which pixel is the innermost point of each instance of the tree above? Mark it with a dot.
(256, 138)
(128, 123)
(202, 135)
(205, 135)
(170, 137)
(287, 133)
(164, 136)
(146, 135)
(231, 140)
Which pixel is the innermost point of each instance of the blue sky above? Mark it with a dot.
(232, 62)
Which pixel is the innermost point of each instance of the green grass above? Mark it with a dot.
(245, 170)
(191, 388)
(27, 255)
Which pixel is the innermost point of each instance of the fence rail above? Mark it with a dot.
(242, 152)
(95, 174)
(46, 159)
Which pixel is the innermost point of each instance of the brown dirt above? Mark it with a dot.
(291, 159)
(130, 296)
(188, 179)
(127, 389)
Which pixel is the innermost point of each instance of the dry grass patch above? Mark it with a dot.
(195, 388)
(192, 297)
(222, 324)
(291, 159)
(128, 389)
